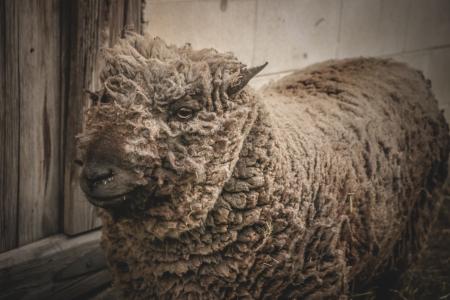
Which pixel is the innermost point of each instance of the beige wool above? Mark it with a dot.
(318, 182)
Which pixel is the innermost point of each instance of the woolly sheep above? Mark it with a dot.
(208, 190)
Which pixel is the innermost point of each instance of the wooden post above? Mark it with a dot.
(93, 24)
(9, 123)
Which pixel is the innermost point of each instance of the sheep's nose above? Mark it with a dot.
(97, 174)
(107, 185)
(101, 180)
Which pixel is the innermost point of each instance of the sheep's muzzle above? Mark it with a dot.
(106, 185)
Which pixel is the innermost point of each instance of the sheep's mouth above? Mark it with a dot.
(110, 202)
(139, 199)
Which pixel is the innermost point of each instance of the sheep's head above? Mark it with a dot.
(164, 132)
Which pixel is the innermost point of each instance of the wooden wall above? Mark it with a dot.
(48, 56)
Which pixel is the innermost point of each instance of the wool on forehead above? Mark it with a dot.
(146, 67)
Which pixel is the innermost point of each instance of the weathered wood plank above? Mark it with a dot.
(84, 27)
(54, 268)
(133, 17)
(83, 286)
(39, 176)
(9, 123)
(108, 293)
(113, 21)
(93, 24)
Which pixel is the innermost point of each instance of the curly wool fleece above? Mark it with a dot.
(325, 179)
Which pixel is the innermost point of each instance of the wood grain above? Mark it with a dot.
(133, 15)
(93, 24)
(113, 21)
(57, 267)
(49, 51)
(39, 165)
(82, 51)
(9, 123)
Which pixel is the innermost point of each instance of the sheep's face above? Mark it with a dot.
(162, 138)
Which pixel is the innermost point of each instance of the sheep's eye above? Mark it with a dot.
(185, 113)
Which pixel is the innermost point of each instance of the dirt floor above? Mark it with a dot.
(429, 277)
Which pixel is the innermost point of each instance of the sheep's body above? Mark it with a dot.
(326, 178)
(333, 181)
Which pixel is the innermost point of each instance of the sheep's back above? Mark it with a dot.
(367, 135)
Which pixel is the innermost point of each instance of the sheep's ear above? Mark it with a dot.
(245, 76)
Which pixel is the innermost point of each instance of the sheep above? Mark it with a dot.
(316, 184)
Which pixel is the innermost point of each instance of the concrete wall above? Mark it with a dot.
(291, 34)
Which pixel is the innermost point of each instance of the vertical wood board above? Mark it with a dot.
(9, 123)
(40, 98)
(84, 26)
(133, 16)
